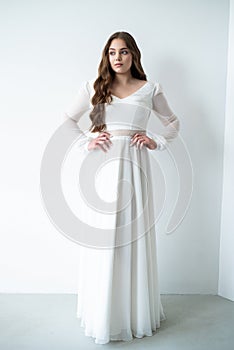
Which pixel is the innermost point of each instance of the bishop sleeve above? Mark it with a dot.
(166, 116)
(74, 112)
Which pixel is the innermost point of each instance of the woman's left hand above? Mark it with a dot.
(142, 140)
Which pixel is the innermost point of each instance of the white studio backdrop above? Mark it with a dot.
(48, 49)
(226, 256)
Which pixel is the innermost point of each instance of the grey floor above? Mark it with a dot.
(48, 321)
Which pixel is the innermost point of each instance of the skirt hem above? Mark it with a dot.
(130, 337)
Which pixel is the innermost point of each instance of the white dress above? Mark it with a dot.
(118, 287)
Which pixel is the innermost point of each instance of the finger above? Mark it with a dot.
(140, 143)
(109, 143)
(136, 141)
(100, 142)
(138, 134)
(136, 137)
(133, 140)
(104, 145)
(101, 147)
(108, 140)
(105, 141)
(104, 137)
(106, 134)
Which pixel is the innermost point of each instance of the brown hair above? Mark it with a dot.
(106, 76)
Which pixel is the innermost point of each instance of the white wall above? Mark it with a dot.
(226, 271)
(48, 48)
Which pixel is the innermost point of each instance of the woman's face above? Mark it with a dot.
(119, 54)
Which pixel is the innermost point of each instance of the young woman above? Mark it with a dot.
(118, 289)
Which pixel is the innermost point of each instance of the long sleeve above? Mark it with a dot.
(166, 116)
(74, 112)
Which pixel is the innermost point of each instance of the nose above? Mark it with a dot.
(118, 56)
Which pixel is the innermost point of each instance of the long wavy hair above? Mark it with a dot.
(105, 77)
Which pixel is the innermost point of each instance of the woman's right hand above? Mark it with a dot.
(103, 139)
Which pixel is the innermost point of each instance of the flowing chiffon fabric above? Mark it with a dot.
(118, 287)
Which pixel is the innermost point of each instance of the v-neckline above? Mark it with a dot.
(123, 98)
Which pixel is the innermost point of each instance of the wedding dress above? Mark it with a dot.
(118, 287)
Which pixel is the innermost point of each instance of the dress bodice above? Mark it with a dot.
(131, 112)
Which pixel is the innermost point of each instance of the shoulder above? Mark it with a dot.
(156, 87)
(86, 86)
(90, 87)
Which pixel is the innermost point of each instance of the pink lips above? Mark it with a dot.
(118, 64)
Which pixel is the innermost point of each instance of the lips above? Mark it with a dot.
(118, 64)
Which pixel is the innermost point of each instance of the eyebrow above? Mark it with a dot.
(111, 48)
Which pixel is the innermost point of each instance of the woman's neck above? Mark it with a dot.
(123, 79)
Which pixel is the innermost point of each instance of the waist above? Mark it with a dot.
(125, 132)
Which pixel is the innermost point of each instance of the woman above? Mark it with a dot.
(118, 290)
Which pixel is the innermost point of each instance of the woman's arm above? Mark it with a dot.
(166, 116)
(74, 112)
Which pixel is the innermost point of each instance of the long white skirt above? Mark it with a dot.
(118, 285)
